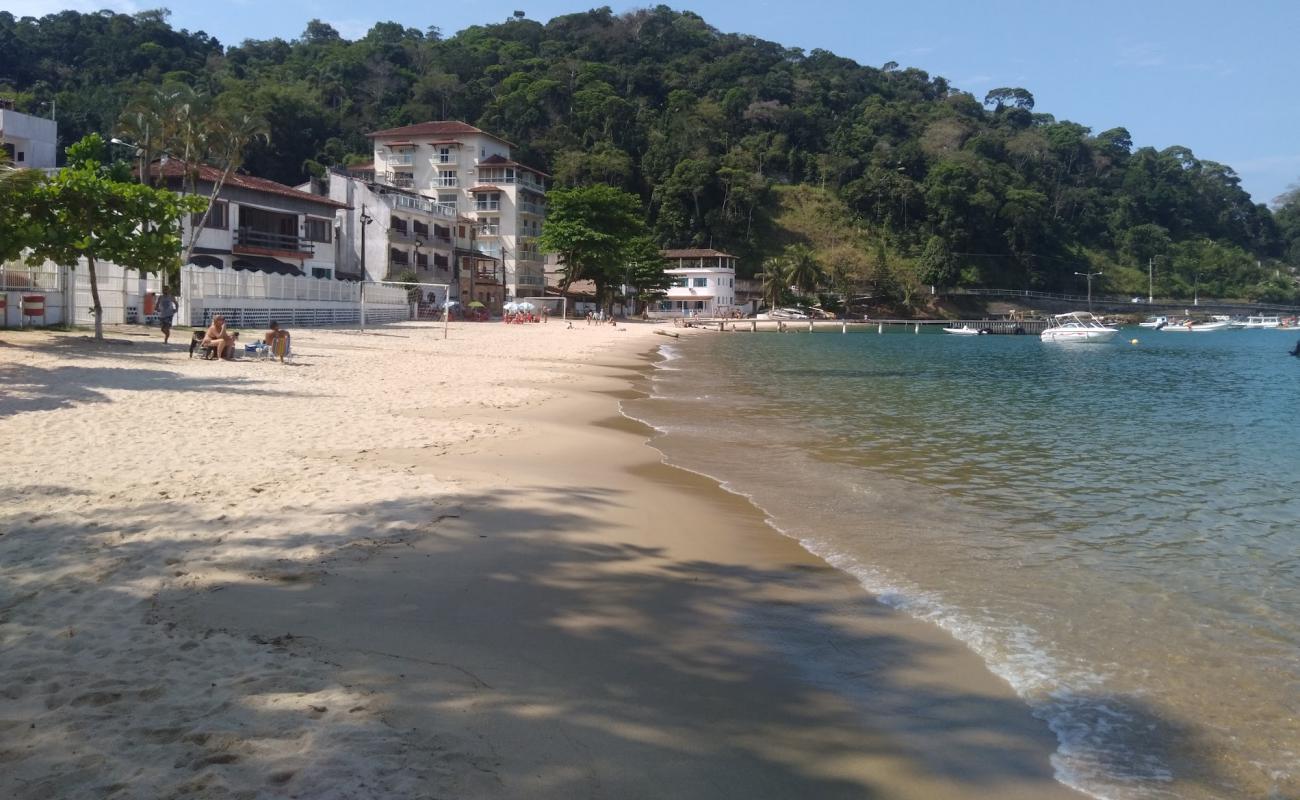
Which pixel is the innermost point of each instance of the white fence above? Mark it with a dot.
(245, 298)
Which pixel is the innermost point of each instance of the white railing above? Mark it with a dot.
(400, 159)
(531, 208)
(213, 283)
(487, 205)
(445, 182)
(17, 278)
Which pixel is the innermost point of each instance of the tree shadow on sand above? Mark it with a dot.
(514, 643)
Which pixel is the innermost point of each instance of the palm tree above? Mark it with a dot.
(776, 280)
(805, 272)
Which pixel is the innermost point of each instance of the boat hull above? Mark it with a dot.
(1088, 335)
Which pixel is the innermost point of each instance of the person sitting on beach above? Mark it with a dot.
(274, 335)
(218, 338)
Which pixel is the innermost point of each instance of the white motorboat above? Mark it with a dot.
(1077, 326)
(1263, 322)
(1188, 326)
(965, 330)
(1154, 322)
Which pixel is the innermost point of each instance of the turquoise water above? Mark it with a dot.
(1114, 528)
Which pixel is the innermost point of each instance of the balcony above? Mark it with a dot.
(445, 182)
(400, 159)
(487, 205)
(402, 180)
(248, 240)
(536, 209)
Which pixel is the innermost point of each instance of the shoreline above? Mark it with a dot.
(523, 600)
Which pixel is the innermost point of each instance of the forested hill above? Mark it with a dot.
(705, 126)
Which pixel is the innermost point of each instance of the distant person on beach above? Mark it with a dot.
(275, 334)
(546, 314)
(218, 338)
(166, 312)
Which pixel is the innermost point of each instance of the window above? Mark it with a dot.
(319, 230)
(420, 229)
(487, 201)
(397, 257)
(444, 155)
(699, 282)
(447, 200)
(489, 226)
(22, 156)
(461, 229)
(218, 220)
(319, 272)
(399, 225)
(439, 260)
(421, 260)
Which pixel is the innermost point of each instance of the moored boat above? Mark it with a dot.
(965, 330)
(1156, 322)
(1263, 322)
(1077, 326)
(1190, 326)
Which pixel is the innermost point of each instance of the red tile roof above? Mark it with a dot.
(176, 169)
(485, 189)
(695, 254)
(438, 128)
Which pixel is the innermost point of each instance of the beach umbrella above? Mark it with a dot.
(526, 306)
(451, 303)
(475, 304)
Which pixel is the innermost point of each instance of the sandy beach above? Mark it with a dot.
(407, 567)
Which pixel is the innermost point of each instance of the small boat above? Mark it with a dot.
(966, 330)
(1077, 326)
(1188, 326)
(1263, 322)
(784, 313)
(1154, 322)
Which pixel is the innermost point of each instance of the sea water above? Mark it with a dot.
(1114, 528)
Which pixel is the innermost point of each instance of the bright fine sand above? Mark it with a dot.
(407, 567)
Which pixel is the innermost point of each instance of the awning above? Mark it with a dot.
(207, 261)
(485, 189)
(265, 264)
(398, 145)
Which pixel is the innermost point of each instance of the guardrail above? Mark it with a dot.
(1122, 300)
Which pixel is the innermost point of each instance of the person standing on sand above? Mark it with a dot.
(166, 312)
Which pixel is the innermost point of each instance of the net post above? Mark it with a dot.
(362, 287)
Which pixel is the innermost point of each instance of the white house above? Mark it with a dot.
(28, 141)
(704, 283)
(471, 172)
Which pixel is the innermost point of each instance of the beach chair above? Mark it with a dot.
(281, 347)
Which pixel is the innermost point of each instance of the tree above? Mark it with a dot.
(93, 210)
(776, 281)
(937, 265)
(593, 230)
(20, 220)
(645, 269)
(803, 270)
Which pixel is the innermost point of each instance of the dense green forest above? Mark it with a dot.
(924, 183)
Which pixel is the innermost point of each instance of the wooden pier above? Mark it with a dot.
(1029, 327)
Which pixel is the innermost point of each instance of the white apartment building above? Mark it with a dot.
(704, 283)
(29, 142)
(260, 225)
(387, 231)
(471, 172)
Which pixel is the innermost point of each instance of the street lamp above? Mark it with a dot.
(365, 219)
(1089, 276)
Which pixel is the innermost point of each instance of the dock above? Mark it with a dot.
(1029, 327)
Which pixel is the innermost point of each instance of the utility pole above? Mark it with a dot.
(1089, 276)
(1151, 279)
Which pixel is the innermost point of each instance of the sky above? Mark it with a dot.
(1214, 76)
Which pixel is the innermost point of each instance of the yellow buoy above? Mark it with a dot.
(1133, 341)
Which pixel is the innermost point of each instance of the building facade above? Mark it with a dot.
(471, 173)
(704, 284)
(257, 224)
(27, 141)
(389, 231)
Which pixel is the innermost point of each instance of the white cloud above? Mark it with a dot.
(41, 8)
(1266, 164)
(351, 28)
